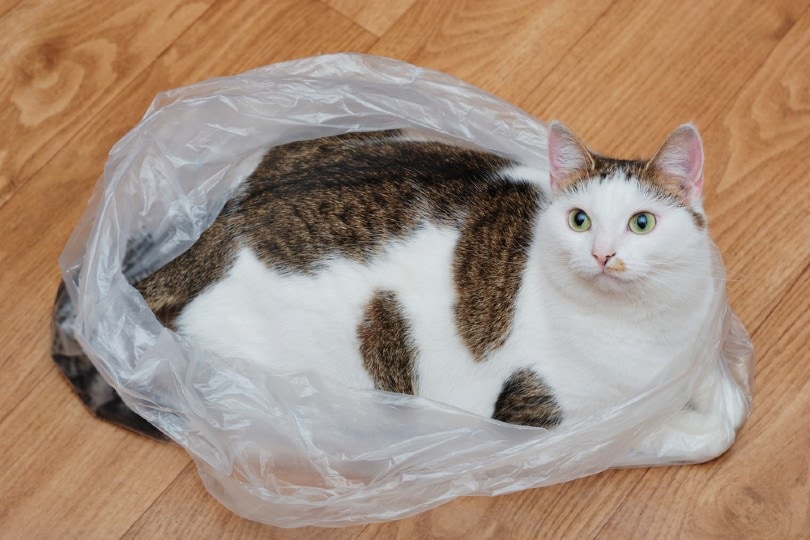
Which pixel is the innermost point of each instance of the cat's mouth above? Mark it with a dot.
(607, 275)
(612, 276)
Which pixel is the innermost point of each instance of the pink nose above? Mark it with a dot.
(603, 259)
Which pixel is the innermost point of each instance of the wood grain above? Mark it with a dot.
(503, 47)
(58, 76)
(8, 5)
(376, 17)
(78, 75)
(82, 474)
(646, 67)
(759, 180)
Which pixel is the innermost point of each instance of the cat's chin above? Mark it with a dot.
(611, 282)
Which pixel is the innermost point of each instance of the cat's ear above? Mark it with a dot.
(567, 155)
(681, 157)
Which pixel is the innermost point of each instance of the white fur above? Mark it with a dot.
(529, 175)
(595, 336)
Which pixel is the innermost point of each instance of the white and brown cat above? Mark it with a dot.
(388, 261)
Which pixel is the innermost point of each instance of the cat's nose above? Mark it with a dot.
(603, 258)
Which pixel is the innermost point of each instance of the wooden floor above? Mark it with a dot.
(76, 75)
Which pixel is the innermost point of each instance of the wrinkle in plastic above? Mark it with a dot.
(295, 449)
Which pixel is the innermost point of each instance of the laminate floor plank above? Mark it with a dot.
(757, 180)
(571, 510)
(8, 5)
(646, 67)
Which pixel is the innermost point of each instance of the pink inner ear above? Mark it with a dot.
(554, 158)
(695, 160)
(682, 156)
(565, 153)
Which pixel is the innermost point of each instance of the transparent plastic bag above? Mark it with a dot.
(294, 449)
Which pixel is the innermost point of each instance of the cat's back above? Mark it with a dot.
(351, 194)
(349, 197)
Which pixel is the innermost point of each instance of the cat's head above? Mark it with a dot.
(619, 223)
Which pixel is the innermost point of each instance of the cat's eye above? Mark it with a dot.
(642, 223)
(579, 220)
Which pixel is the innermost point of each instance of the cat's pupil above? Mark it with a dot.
(641, 221)
(580, 218)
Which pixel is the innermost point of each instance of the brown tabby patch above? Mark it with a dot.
(489, 261)
(167, 290)
(386, 345)
(527, 401)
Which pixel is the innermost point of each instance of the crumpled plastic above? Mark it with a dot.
(293, 448)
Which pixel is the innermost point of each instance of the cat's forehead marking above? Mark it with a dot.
(602, 168)
(637, 169)
(664, 187)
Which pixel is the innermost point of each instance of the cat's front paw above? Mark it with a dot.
(703, 430)
(696, 436)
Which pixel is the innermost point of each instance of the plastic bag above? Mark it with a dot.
(294, 449)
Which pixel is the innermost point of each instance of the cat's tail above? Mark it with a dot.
(100, 398)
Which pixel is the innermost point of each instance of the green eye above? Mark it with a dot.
(642, 223)
(579, 220)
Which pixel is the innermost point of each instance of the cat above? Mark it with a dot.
(398, 262)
